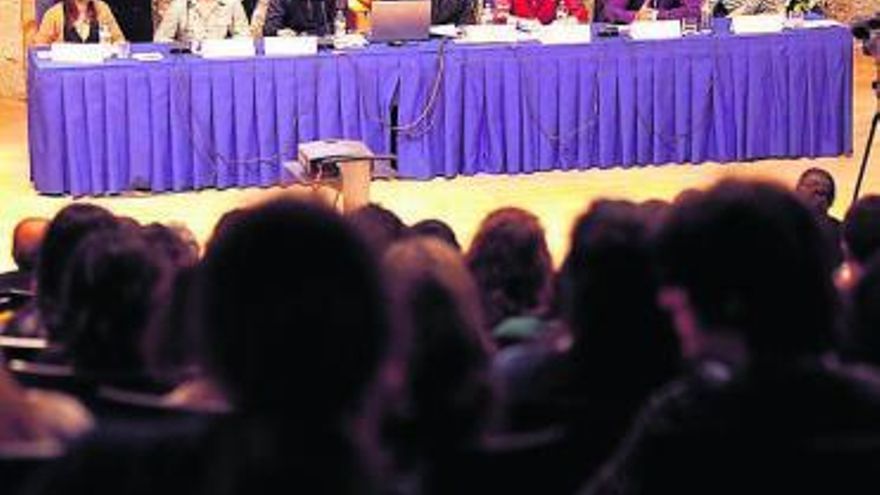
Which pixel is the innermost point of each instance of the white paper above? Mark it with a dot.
(290, 46)
(490, 33)
(79, 53)
(757, 24)
(565, 34)
(655, 30)
(231, 48)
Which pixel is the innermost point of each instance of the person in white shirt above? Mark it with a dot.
(188, 20)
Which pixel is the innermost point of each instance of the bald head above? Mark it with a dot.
(26, 241)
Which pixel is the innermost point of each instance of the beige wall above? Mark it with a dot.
(11, 51)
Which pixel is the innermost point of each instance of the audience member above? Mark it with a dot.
(443, 357)
(379, 226)
(198, 20)
(26, 241)
(114, 285)
(816, 187)
(745, 279)
(861, 236)
(77, 21)
(176, 243)
(66, 230)
(437, 229)
(512, 266)
(622, 348)
(293, 329)
(863, 343)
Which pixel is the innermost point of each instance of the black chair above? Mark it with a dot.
(14, 299)
(58, 377)
(19, 462)
(21, 348)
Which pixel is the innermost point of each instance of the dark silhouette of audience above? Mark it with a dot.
(816, 187)
(115, 283)
(380, 226)
(437, 229)
(444, 400)
(27, 237)
(692, 347)
(618, 347)
(512, 266)
(744, 274)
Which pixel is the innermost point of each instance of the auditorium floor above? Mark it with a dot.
(556, 197)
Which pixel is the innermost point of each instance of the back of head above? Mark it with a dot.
(437, 229)
(444, 351)
(861, 228)
(114, 283)
(511, 263)
(750, 257)
(27, 238)
(864, 340)
(816, 187)
(176, 243)
(379, 226)
(69, 227)
(620, 334)
(292, 321)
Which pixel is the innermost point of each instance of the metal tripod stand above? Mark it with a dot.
(876, 87)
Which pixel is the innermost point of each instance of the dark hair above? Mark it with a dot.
(445, 352)
(861, 228)
(71, 12)
(69, 227)
(611, 303)
(379, 226)
(825, 175)
(752, 259)
(181, 252)
(26, 241)
(438, 229)
(114, 283)
(291, 322)
(511, 263)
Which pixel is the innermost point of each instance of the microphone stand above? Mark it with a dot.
(875, 85)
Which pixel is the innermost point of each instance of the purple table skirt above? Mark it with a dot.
(186, 123)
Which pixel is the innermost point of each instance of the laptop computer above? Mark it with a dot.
(400, 20)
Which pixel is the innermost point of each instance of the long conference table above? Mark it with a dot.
(185, 123)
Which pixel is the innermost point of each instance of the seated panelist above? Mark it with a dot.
(545, 10)
(300, 16)
(188, 20)
(752, 7)
(627, 11)
(77, 21)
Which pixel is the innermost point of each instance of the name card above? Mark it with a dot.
(287, 46)
(231, 48)
(565, 34)
(80, 53)
(489, 33)
(655, 30)
(757, 24)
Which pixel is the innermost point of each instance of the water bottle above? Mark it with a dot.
(502, 11)
(104, 34)
(562, 14)
(339, 23)
(487, 14)
(706, 16)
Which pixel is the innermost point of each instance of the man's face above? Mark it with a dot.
(816, 190)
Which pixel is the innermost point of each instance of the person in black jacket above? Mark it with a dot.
(300, 16)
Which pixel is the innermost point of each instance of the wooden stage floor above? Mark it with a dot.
(556, 197)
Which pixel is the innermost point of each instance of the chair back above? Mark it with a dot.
(19, 462)
(58, 377)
